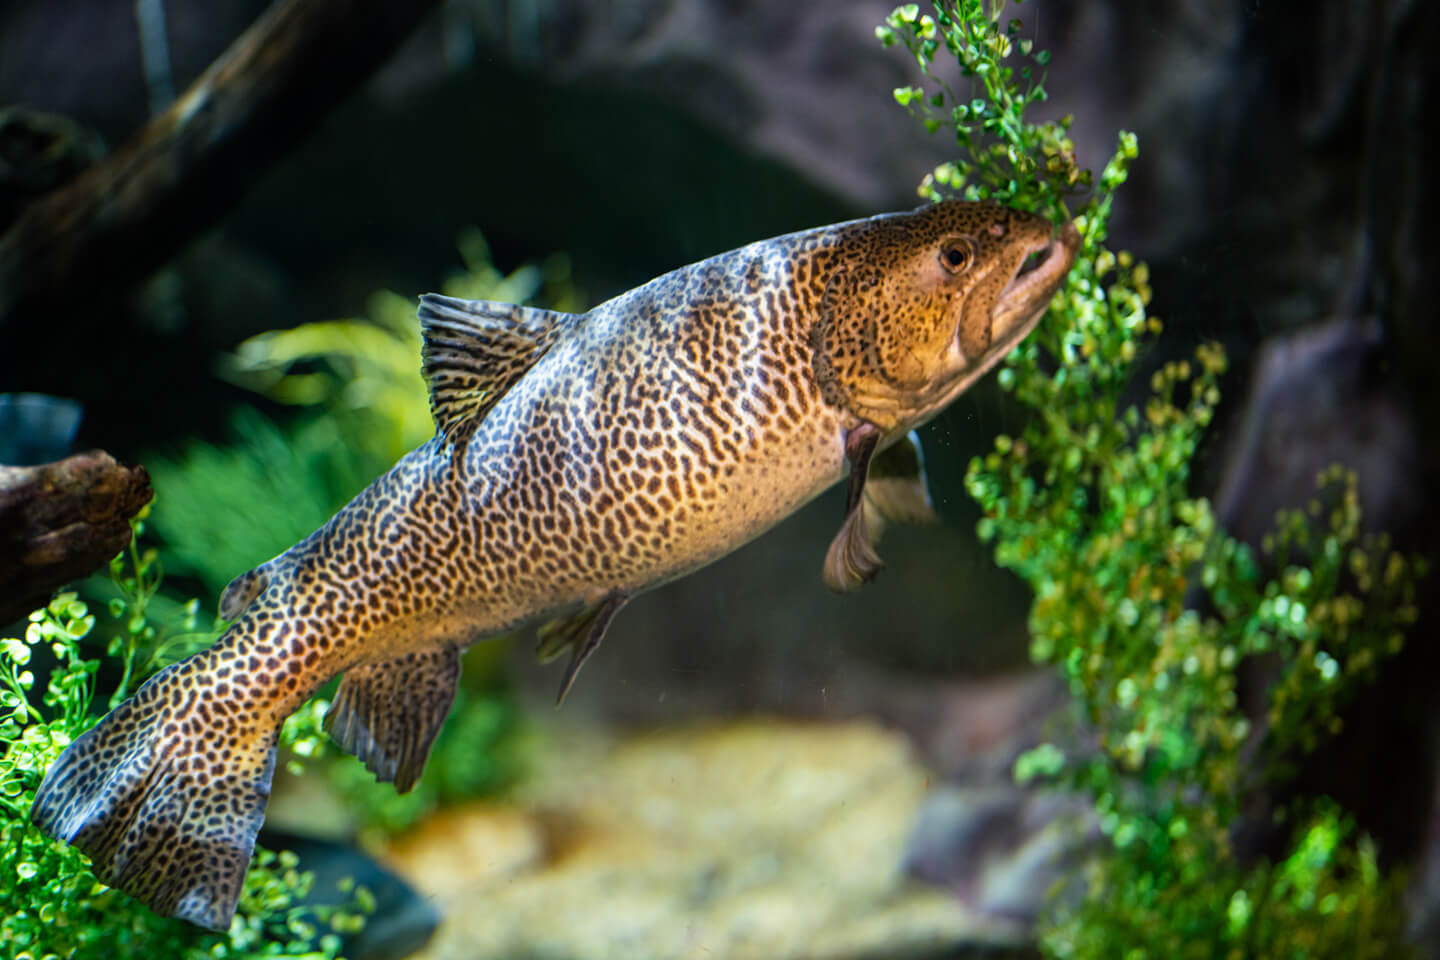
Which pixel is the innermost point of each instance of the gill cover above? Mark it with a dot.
(909, 304)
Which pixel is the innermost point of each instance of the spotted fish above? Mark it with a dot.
(578, 460)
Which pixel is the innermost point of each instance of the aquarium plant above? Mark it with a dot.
(51, 906)
(1146, 607)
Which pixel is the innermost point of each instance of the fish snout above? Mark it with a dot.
(1037, 276)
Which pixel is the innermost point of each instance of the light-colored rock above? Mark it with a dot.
(480, 841)
(764, 839)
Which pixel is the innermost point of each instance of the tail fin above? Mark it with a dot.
(165, 795)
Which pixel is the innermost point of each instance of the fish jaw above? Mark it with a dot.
(1025, 298)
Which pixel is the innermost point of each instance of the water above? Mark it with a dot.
(750, 766)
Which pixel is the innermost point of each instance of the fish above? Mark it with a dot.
(578, 460)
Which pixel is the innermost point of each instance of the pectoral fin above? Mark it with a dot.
(884, 487)
(896, 488)
(389, 713)
(581, 633)
(851, 560)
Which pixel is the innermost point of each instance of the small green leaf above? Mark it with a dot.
(904, 95)
(1046, 760)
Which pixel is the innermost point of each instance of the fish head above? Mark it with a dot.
(917, 306)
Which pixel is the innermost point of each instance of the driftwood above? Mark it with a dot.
(117, 222)
(60, 521)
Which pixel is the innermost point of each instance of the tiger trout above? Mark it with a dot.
(578, 460)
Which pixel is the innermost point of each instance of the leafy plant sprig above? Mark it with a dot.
(1090, 505)
(50, 903)
(1001, 155)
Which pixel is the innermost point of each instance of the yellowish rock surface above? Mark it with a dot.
(759, 839)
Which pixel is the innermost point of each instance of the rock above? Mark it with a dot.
(761, 839)
(1318, 397)
(402, 920)
(1001, 849)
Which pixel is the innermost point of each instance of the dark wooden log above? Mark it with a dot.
(60, 521)
(121, 219)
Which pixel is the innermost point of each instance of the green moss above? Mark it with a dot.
(1090, 505)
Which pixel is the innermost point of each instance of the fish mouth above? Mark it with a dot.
(1025, 297)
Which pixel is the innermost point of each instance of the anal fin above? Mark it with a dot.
(581, 633)
(388, 713)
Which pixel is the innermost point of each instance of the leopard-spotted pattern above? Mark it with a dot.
(606, 453)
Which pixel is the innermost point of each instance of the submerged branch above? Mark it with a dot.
(118, 221)
(60, 521)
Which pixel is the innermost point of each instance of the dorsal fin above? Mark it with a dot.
(476, 350)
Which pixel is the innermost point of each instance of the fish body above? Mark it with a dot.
(579, 460)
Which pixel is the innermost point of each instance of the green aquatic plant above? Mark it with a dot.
(51, 905)
(231, 507)
(1090, 504)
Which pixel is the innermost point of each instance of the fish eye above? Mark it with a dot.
(956, 255)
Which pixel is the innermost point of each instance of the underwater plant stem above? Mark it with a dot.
(1258, 910)
(110, 227)
(129, 660)
(139, 598)
(155, 53)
